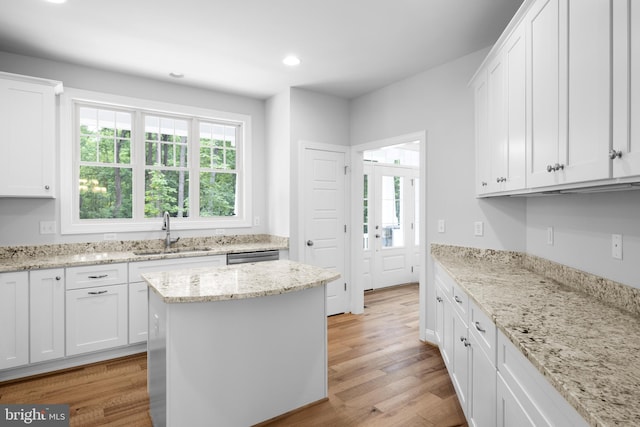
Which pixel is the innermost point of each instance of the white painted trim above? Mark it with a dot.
(300, 256)
(357, 253)
(67, 162)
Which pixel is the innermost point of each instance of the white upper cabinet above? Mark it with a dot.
(625, 150)
(561, 99)
(543, 93)
(587, 26)
(569, 91)
(27, 128)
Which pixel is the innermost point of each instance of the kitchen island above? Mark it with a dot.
(236, 345)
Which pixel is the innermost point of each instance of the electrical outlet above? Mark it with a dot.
(256, 221)
(549, 235)
(110, 236)
(47, 227)
(441, 226)
(478, 228)
(616, 246)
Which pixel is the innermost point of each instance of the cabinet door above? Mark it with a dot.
(14, 319)
(483, 143)
(27, 123)
(509, 410)
(586, 142)
(514, 169)
(498, 132)
(482, 387)
(460, 360)
(138, 310)
(626, 86)
(96, 318)
(543, 90)
(46, 315)
(440, 302)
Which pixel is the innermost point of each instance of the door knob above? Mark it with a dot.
(309, 242)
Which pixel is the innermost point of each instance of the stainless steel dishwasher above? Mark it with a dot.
(258, 256)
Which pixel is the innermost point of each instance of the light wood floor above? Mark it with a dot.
(380, 374)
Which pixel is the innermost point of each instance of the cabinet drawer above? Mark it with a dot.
(484, 330)
(443, 280)
(96, 275)
(460, 302)
(137, 269)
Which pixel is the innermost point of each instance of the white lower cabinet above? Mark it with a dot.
(46, 314)
(96, 318)
(138, 329)
(138, 289)
(510, 411)
(14, 319)
(495, 383)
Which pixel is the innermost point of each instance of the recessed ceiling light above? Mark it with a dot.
(176, 75)
(57, 1)
(291, 61)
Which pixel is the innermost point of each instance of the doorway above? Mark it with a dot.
(391, 242)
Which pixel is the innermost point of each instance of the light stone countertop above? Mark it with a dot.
(587, 348)
(238, 281)
(20, 258)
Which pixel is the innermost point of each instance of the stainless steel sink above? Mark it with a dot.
(147, 252)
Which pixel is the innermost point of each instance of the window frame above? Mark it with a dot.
(70, 161)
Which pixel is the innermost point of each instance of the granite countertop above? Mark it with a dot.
(20, 258)
(238, 281)
(578, 338)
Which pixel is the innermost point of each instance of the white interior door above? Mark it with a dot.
(324, 220)
(392, 226)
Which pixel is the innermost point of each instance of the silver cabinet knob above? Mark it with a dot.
(484, 184)
(377, 236)
(46, 187)
(550, 168)
(58, 278)
(558, 167)
(613, 154)
(309, 242)
(439, 299)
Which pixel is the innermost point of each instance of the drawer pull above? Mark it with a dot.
(480, 328)
(98, 276)
(458, 300)
(97, 292)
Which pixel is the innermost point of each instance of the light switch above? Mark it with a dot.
(441, 226)
(478, 229)
(616, 246)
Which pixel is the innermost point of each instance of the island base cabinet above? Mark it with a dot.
(236, 362)
(97, 318)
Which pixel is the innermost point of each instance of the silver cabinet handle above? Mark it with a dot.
(377, 236)
(439, 299)
(458, 300)
(97, 292)
(558, 167)
(479, 328)
(613, 154)
(99, 276)
(309, 242)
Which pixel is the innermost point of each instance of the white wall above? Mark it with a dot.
(19, 219)
(278, 160)
(583, 225)
(439, 102)
(317, 118)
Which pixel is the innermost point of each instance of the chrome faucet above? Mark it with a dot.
(167, 227)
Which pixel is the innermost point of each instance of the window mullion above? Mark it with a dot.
(194, 169)
(139, 168)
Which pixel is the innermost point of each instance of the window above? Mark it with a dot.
(133, 161)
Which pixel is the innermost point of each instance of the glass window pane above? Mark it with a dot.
(392, 221)
(105, 192)
(106, 150)
(166, 191)
(217, 194)
(88, 148)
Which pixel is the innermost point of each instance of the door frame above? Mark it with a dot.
(357, 188)
(298, 252)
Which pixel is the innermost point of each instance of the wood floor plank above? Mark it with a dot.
(379, 374)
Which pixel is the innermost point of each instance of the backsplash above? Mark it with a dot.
(14, 252)
(607, 291)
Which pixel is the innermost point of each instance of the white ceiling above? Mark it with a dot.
(347, 47)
